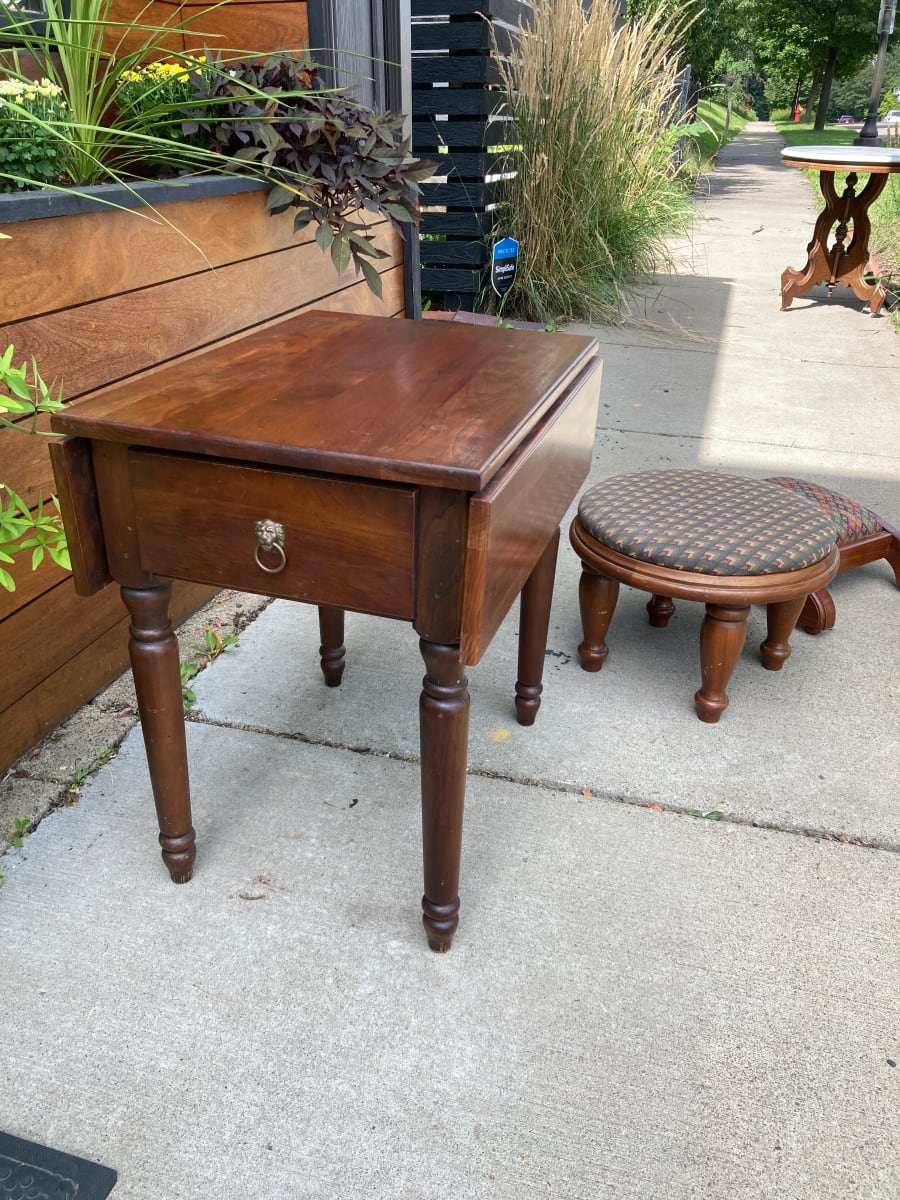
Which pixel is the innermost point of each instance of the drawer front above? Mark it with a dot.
(512, 520)
(345, 543)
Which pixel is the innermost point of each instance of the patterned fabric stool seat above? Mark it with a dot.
(699, 535)
(862, 537)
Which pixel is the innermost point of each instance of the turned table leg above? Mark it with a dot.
(157, 679)
(597, 596)
(534, 624)
(444, 741)
(332, 650)
(721, 641)
(781, 617)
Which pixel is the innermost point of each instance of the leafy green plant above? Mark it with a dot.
(23, 393)
(80, 774)
(708, 133)
(322, 152)
(210, 648)
(597, 192)
(188, 695)
(27, 148)
(213, 645)
(82, 50)
(325, 155)
(20, 831)
(155, 98)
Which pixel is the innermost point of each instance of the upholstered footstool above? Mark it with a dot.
(862, 537)
(698, 535)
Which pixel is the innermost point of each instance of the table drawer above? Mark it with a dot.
(345, 543)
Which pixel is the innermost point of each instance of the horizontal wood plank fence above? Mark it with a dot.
(459, 119)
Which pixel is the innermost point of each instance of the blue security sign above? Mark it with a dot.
(504, 261)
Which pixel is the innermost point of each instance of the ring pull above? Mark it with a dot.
(270, 540)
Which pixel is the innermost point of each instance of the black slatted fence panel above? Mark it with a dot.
(458, 116)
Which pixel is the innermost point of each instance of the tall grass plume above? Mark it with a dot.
(597, 192)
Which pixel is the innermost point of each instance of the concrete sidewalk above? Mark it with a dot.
(640, 1003)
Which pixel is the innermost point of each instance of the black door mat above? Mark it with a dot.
(32, 1172)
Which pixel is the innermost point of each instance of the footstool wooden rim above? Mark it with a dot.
(727, 599)
(691, 585)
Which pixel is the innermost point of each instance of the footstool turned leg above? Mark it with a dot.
(721, 641)
(660, 609)
(781, 617)
(597, 596)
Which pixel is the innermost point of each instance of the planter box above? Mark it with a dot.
(97, 295)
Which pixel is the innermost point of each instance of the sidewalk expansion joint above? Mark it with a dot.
(706, 437)
(550, 785)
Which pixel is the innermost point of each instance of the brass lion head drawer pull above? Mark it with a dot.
(270, 540)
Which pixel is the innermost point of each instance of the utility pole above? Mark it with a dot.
(868, 135)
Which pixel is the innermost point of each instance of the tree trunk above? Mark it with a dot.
(827, 80)
(813, 93)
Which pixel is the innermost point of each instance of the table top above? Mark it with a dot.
(439, 403)
(877, 159)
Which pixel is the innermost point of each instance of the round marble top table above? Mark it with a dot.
(848, 212)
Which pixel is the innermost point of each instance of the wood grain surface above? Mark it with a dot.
(349, 395)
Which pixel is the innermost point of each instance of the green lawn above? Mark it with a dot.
(805, 135)
(712, 115)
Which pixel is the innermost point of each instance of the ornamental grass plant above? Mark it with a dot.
(598, 191)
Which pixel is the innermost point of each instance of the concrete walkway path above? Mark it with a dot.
(641, 1004)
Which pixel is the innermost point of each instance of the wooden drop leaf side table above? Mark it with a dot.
(408, 469)
(847, 214)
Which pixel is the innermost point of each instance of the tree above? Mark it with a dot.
(822, 39)
(718, 28)
(810, 42)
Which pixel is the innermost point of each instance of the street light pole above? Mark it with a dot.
(868, 135)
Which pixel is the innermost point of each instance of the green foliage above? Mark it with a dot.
(80, 774)
(324, 154)
(82, 51)
(212, 646)
(274, 118)
(329, 157)
(804, 134)
(716, 27)
(597, 189)
(155, 99)
(23, 393)
(20, 831)
(30, 148)
(756, 94)
(709, 133)
(188, 695)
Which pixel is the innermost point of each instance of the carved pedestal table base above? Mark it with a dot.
(847, 215)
